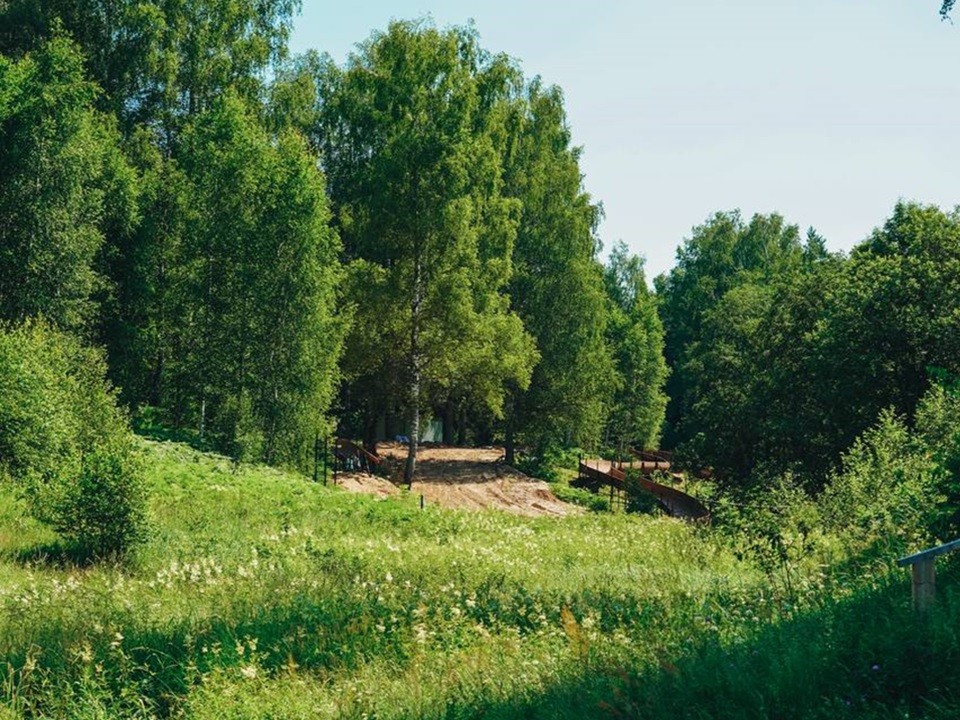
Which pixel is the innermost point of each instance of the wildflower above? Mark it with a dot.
(249, 671)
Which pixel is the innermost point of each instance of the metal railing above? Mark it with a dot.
(923, 571)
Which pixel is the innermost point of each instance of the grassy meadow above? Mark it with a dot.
(262, 595)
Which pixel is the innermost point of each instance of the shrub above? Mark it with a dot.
(101, 512)
(639, 500)
(64, 442)
(938, 426)
(884, 498)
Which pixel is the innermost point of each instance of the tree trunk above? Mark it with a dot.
(411, 468)
(448, 413)
(156, 380)
(508, 444)
(462, 428)
(415, 360)
(508, 439)
(370, 433)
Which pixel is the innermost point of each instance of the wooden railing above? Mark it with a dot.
(674, 502)
(658, 457)
(351, 456)
(924, 573)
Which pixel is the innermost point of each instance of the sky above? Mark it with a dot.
(825, 111)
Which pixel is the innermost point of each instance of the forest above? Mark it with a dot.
(207, 239)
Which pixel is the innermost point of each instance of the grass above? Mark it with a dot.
(260, 594)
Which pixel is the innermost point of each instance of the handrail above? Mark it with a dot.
(928, 554)
(359, 450)
(675, 502)
(923, 573)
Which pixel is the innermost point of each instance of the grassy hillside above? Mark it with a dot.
(262, 595)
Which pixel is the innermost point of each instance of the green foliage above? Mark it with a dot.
(595, 502)
(556, 287)
(805, 350)
(63, 185)
(938, 427)
(100, 511)
(159, 61)
(145, 266)
(259, 295)
(720, 256)
(409, 131)
(550, 464)
(894, 491)
(638, 500)
(636, 335)
(64, 443)
(778, 524)
(227, 319)
(885, 496)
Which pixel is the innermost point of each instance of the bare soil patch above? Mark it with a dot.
(468, 478)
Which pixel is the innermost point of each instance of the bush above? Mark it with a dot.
(938, 425)
(64, 442)
(639, 500)
(884, 499)
(547, 465)
(100, 513)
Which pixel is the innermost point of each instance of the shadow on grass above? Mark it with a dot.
(163, 664)
(150, 423)
(866, 656)
(869, 656)
(58, 555)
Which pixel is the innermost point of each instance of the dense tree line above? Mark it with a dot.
(784, 354)
(268, 245)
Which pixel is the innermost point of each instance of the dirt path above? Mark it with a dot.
(470, 478)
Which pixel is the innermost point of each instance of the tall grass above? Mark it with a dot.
(260, 594)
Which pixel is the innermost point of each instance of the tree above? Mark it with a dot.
(727, 368)
(63, 186)
(785, 371)
(159, 61)
(251, 324)
(139, 325)
(635, 334)
(408, 139)
(557, 284)
(890, 319)
(720, 255)
(65, 444)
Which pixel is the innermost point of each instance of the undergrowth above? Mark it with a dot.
(260, 594)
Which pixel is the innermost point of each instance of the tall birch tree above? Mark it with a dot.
(410, 134)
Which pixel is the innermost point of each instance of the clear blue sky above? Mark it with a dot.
(824, 111)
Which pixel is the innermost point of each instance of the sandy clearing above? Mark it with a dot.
(467, 478)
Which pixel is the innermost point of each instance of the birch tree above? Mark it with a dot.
(409, 135)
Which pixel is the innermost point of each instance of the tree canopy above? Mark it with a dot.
(410, 133)
(64, 185)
